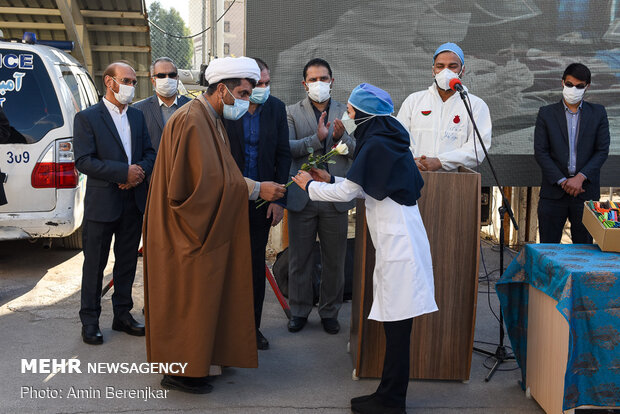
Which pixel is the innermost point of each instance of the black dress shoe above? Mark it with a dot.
(330, 325)
(375, 406)
(128, 325)
(92, 335)
(297, 323)
(261, 341)
(363, 398)
(191, 385)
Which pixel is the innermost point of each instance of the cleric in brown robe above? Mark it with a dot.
(197, 261)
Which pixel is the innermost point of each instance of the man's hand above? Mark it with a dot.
(574, 185)
(320, 175)
(275, 212)
(419, 164)
(271, 191)
(135, 175)
(338, 130)
(429, 163)
(322, 128)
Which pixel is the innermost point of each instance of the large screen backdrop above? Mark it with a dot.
(515, 54)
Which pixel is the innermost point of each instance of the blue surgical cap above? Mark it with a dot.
(371, 100)
(450, 47)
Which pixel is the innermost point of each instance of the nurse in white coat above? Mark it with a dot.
(385, 175)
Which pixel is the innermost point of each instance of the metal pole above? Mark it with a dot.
(213, 30)
(203, 37)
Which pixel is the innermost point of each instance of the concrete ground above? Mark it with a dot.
(306, 372)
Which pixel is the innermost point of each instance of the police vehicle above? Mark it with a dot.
(41, 90)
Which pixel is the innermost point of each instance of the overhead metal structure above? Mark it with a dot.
(103, 31)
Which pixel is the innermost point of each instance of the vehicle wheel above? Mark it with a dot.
(74, 240)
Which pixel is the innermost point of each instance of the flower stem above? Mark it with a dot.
(318, 160)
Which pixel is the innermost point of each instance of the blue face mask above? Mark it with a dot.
(260, 95)
(236, 111)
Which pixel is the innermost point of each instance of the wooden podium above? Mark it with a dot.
(441, 342)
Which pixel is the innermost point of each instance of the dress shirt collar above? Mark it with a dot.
(113, 108)
(566, 108)
(257, 111)
(176, 100)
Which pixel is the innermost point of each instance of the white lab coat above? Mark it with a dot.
(443, 129)
(403, 284)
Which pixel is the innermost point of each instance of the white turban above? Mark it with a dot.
(230, 67)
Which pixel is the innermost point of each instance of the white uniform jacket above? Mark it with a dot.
(403, 285)
(443, 129)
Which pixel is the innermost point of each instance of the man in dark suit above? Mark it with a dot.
(158, 108)
(571, 143)
(259, 145)
(112, 147)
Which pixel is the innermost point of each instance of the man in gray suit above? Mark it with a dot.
(158, 108)
(314, 122)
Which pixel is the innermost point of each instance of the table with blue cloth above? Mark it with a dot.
(585, 281)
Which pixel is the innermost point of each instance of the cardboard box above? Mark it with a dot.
(607, 239)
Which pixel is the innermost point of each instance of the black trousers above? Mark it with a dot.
(552, 215)
(392, 389)
(259, 235)
(96, 240)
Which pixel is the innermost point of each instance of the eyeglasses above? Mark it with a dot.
(163, 75)
(570, 85)
(126, 81)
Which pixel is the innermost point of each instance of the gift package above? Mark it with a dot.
(602, 219)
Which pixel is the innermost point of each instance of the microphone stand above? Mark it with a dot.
(500, 355)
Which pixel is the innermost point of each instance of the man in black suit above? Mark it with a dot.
(112, 147)
(571, 143)
(259, 145)
(158, 108)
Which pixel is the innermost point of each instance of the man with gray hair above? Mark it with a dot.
(158, 108)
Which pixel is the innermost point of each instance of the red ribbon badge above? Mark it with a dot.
(426, 113)
(456, 119)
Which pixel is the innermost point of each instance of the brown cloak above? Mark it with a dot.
(197, 261)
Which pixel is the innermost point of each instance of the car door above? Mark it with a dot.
(30, 101)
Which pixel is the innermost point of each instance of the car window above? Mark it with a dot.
(27, 95)
(77, 89)
(89, 86)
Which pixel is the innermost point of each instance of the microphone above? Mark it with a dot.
(457, 85)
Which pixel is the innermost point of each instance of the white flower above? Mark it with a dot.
(342, 148)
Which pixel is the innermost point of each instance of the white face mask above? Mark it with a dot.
(125, 93)
(444, 77)
(572, 95)
(260, 95)
(166, 87)
(349, 124)
(319, 91)
(237, 110)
